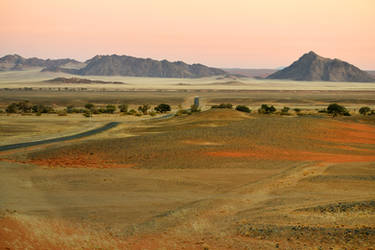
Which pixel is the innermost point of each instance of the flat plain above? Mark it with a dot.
(217, 179)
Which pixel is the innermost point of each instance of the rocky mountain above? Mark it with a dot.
(132, 66)
(312, 67)
(16, 62)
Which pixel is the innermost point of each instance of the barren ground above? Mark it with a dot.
(215, 180)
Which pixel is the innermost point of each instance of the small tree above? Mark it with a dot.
(162, 108)
(265, 109)
(336, 109)
(144, 108)
(243, 108)
(90, 106)
(110, 109)
(12, 108)
(123, 108)
(285, 111)
(364, 110)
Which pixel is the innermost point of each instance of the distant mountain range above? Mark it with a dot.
(16, 62)
(112, 65)
(312, 67)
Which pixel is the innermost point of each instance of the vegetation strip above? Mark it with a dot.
(60, 139)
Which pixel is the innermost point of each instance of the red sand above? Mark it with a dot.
(270, 153)
(80, 161)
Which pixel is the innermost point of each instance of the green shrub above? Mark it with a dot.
(285, 111)
(12, 108)
(144, 108)
(162, 108)
(336, 109)
(265, 109)
(364, 110)
(297, 110)
(90, 106)
(123, 108)
(110, 109)
(243, 108)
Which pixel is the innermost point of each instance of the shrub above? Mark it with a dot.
(297, 110)
(162, 108)
(152, 113)
(70, 109)
(110, 109)
(144, 108)
(243, 108)
(90, 106)
(222, 106)
(87, 114)
(336, 109)
(364, 110)
(265, 109)
(132, 112)
(123, 108)
(285, 111)
(40, 108)
(12, 108)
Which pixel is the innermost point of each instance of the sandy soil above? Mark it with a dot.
(186, 184)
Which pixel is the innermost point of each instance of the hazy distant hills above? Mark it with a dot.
(312, 67)
(132, 66)
(16, 62)
(112, 65)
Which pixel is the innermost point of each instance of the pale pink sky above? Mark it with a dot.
(222, 33)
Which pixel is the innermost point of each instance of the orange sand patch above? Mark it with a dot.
(343, 132)
(80, 161)
(269, 153)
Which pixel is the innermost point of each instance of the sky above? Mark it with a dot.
(220, 33)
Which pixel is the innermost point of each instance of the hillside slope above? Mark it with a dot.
(312, 67)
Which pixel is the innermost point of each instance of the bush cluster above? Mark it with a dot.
(243, 108)
(265, 109)
(28, 107)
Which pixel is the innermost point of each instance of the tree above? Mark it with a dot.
(243, 108)
(265, 109)
(162, 108)
(90, 106)
(12, 108)
(364, 110)
(123, 108)
(144, 108)
(110, 109)
(25, 106)
(285, 111)
(336, 109)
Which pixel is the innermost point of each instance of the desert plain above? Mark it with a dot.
(215, 179)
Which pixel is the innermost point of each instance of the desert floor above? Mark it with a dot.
(217, 179)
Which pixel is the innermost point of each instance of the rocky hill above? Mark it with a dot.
(312, 67)
(16, 62)
(132, 66)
